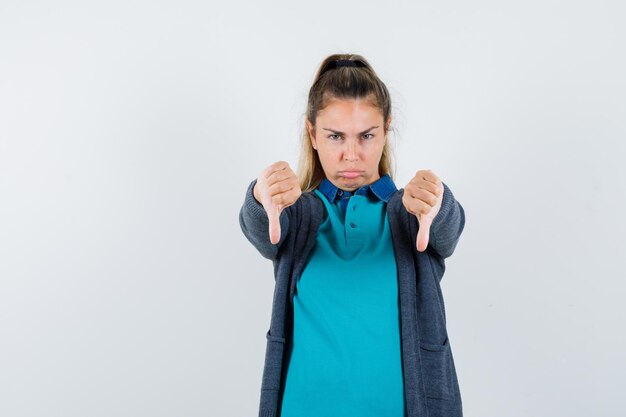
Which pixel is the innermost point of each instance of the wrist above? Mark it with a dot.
(256, 196)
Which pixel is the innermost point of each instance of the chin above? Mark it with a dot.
(353, 182)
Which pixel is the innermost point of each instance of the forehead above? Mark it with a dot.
(350, 111)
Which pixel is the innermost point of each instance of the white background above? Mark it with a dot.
(129, 131)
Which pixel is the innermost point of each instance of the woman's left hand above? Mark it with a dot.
(422, 197)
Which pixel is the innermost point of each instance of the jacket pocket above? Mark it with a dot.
(437, 370)
(273, 363)
(271, 338)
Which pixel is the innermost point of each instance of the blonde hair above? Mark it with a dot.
(344, 82)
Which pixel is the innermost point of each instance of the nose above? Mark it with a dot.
(350, 153)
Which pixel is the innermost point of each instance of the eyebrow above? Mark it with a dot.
(341, 133)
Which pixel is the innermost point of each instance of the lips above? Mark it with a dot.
(351, 174)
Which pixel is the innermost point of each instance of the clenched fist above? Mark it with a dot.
(422, 197)
(276, 188)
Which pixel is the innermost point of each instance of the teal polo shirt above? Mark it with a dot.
(345, 357)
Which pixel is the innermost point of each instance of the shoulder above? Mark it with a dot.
(308, 206)
(400, 219)
(395, 202)
(310, 201)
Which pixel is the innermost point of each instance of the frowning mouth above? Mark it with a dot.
(350, 174)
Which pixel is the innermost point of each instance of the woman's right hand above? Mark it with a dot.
(276, 188)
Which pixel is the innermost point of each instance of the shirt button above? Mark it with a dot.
(353, 225)
(353, 207)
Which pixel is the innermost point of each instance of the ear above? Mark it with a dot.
(388, 123)
(310, 129)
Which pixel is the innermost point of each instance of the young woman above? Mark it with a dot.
(358, 324)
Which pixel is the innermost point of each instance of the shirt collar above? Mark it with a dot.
(383, 188)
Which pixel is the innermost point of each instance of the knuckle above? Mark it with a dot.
(278, 188)
(278, 165)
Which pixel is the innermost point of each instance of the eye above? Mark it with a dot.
(370, 134)
(333, 136)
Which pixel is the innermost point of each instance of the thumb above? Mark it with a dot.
(273, 215)
(423, 232)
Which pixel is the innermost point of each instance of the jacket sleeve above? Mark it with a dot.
(447, 225)
(255, 225)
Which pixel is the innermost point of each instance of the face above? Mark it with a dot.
(349, 138)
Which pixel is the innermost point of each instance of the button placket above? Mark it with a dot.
(353, 219)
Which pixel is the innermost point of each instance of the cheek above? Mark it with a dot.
(374, 149)
(326, 158)
(330, 153)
